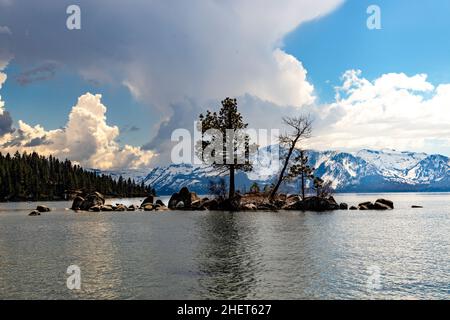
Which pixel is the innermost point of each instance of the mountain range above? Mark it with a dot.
(361, 171)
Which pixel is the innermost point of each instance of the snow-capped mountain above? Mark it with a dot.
(362, 171)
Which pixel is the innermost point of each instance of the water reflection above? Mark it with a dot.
(93, 249)
(224, 256)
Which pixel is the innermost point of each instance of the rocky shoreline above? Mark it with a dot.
(185, 200)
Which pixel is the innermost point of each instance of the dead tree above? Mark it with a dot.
(300, 129)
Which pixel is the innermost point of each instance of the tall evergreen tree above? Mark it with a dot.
(227, 149)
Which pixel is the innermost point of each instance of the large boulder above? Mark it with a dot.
(319, 204)
(77, 202)
(380, 206)
(42, 208)
(366, 206)
(343, 206)
(149, 199)
(386, 202)
(92, 199)
(184, 196)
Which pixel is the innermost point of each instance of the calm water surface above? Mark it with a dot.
(208, 255)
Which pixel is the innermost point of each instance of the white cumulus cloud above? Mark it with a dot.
(392, 111)
(86, 139)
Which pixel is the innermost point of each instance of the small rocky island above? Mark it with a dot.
(190, 201)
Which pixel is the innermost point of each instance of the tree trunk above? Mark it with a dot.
(232, 190)
(286, 162)
(303, 185)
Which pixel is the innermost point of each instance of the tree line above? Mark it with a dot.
(33, 177)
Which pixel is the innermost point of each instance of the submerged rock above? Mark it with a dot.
(34, 213)
(416, 207)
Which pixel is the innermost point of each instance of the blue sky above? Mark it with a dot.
(157, 66)
(413, 39)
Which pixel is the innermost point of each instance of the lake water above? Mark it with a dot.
(399, 254)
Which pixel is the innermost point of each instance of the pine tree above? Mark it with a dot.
(228, 148)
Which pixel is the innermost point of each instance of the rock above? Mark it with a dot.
(212, 204)
(296, 205)
(174, 200)
(365, 206)
(42, 208)
(185, 196)
(160, 203)
(196, 204)
(279, 203)
(180, 205)
(266, 206)
(148, 207)
(282, 197)
(380, 206)
(416, 207)
(249, 206)
(95, 208)
(149, 199)
(388, 203)
(120, 207)
(77, 202)
(353, 208)
(161, 208)
(132, 208)
(343, 206)
(34, 213)
(107, 207)
(230, 204)
(318, 204)
(93, 199)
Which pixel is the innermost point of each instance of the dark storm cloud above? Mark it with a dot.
(163, 51)
(41, 73)
(5, 123)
